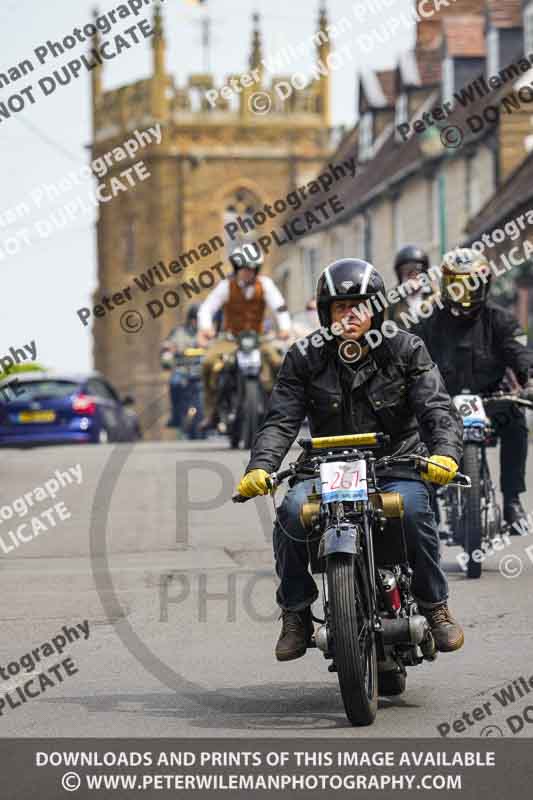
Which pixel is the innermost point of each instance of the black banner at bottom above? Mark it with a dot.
(47, 769)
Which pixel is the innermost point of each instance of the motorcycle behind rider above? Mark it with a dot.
(345, 387)
(474, 342)
(244, 298)
(180, 339)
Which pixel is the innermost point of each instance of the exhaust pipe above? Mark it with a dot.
(405, 630)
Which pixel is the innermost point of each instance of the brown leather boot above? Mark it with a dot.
(296, 632)
(446, 631)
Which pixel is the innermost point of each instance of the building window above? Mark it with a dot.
(239, 209)
(493, 52)
(528, 28)
(397, 231)
(366, 126)
(402, 110)
(448, 79)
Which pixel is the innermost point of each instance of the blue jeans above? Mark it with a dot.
(297, 589)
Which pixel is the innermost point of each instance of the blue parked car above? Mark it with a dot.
(50, 408)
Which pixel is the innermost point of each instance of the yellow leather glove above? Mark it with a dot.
(437, 474)
(255, 482)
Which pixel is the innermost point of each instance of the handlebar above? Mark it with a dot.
(506, 397)
(419, 463)
(350, 440)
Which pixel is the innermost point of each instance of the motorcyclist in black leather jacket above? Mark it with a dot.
(473, 342)
(344, 387)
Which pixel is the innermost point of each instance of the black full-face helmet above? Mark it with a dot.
(411, 255)
(348, 279)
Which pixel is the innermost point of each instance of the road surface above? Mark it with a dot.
(177, 586)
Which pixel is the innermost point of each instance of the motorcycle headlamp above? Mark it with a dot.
(248, 342)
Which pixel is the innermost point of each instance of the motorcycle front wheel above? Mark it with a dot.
(472, 519)
(353, 638)
(252, 412)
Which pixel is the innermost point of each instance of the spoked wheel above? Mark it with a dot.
(492, 519)
(472, 520)
(252, 411)
(353, 638)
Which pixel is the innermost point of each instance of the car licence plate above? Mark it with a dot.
(37, 416)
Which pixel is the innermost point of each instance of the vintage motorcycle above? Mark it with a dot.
(241, 398)
(473, 519)
(186, 389)
(371, 628)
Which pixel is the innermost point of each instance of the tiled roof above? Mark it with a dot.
(464, 36)
(514, 193)
(396, 160)
(505, 13)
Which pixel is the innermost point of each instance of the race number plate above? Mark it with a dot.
(343, 480)
(470, 407)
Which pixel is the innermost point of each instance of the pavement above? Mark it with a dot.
(177, 586)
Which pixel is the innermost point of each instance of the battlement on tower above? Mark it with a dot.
(242, 99)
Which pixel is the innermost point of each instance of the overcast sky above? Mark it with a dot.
(47, 280)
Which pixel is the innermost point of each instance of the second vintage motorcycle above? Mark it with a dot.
(241, 397)
(473, 519)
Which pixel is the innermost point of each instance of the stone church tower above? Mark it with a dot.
(212, 164)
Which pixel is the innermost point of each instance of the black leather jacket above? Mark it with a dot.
(397, 390)
(473, 354)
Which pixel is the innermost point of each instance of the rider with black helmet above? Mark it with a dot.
(411, 266)
(473, 342)
(344, 387)
(179, 339)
